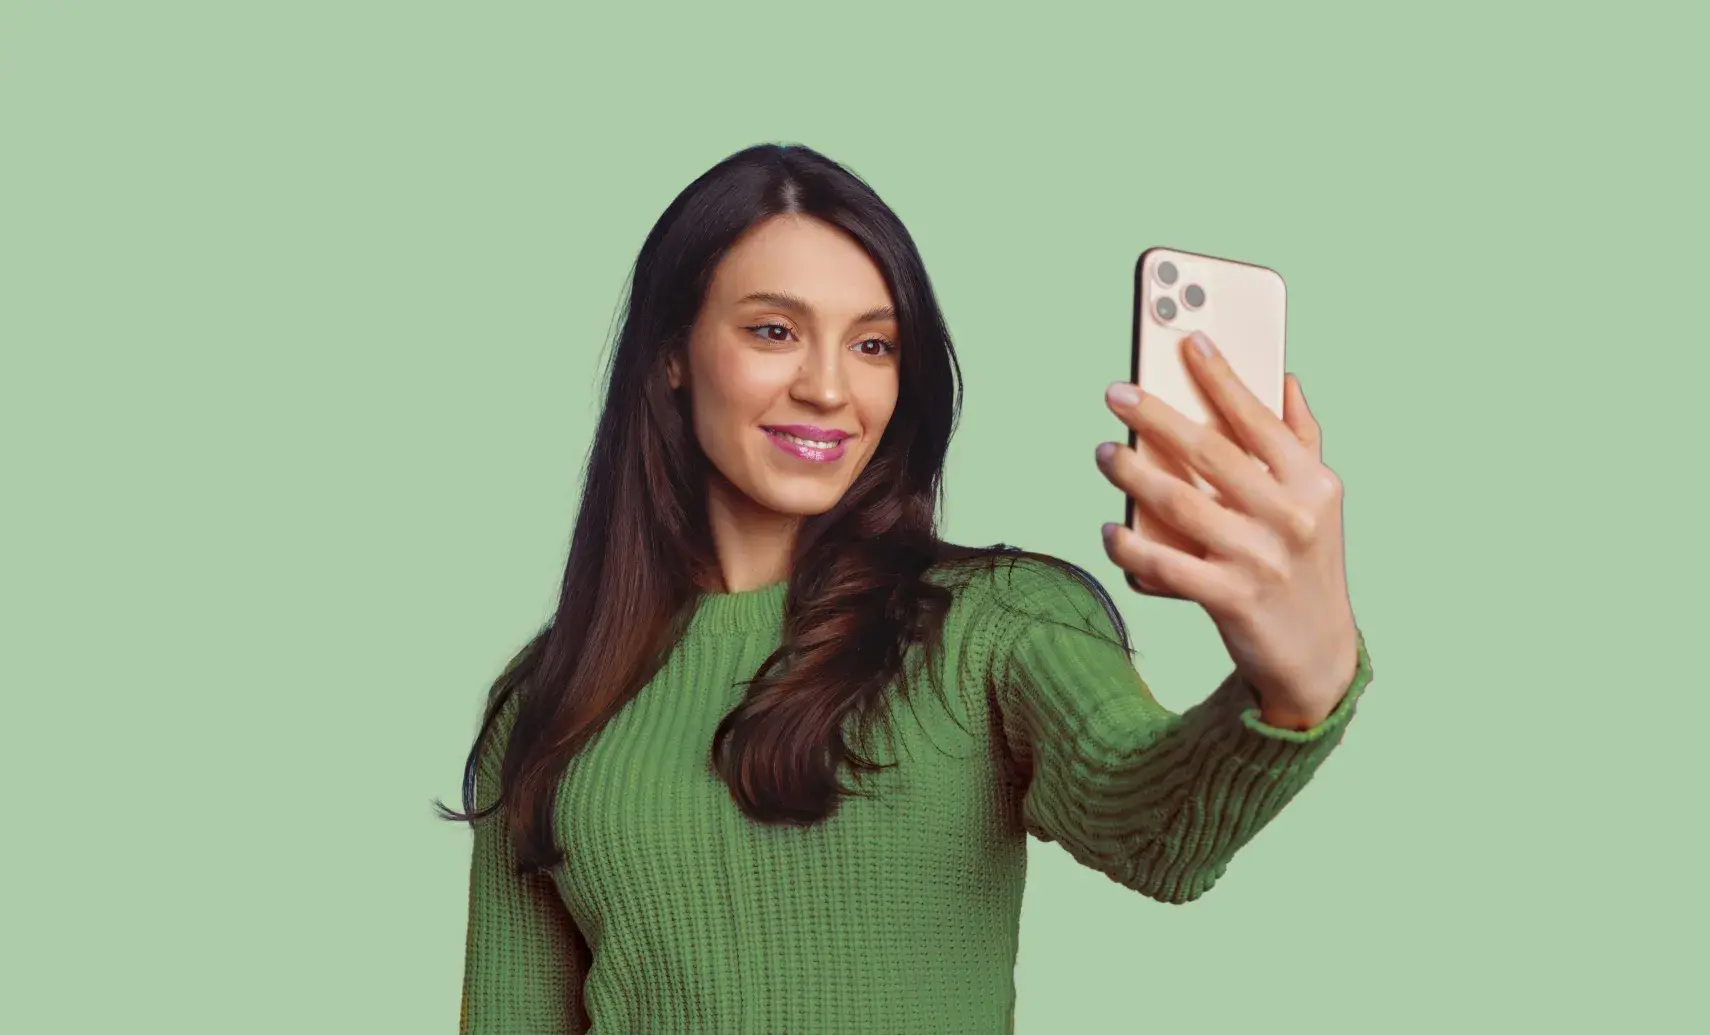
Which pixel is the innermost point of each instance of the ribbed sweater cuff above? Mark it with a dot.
(1238, 699)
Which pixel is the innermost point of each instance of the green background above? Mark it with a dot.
(302, 306)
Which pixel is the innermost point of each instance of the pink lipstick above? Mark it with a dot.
(806, 442)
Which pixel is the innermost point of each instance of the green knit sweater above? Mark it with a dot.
(675, 913)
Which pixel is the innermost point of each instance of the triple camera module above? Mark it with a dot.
(1193, 296)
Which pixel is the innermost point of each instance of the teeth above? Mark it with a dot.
(804, 441)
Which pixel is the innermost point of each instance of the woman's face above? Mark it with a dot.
(796, 341)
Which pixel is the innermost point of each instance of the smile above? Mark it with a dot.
(821, 452)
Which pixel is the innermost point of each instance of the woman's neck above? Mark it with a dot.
(753, 544)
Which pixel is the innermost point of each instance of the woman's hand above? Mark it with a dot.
(1273, 576)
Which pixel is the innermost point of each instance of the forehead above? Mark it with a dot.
(801, 256)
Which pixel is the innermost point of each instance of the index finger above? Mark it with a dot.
(1260, 431)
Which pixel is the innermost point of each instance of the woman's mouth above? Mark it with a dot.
(819, 452)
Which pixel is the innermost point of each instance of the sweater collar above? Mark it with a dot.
(760, 609)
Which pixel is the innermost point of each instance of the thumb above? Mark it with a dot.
(1299, 418)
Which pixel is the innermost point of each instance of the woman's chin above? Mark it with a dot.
(804, 502)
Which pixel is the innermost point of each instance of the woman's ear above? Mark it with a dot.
(674, 371)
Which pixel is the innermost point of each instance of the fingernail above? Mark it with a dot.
(1108, 530)
(1200, 342)
(1122, 393)
(1104, 452)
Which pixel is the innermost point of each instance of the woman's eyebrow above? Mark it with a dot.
(784, 300)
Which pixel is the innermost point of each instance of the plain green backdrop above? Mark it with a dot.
(302, 307)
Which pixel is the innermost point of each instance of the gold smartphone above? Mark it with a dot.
(1242, 308)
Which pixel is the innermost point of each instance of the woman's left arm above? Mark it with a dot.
(1158, 801)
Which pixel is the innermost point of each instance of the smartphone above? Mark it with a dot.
(1242, 308)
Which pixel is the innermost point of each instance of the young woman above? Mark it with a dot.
(770, 767)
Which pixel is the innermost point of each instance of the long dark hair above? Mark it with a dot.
(642, 551)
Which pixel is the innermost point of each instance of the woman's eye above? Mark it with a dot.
(778, 333)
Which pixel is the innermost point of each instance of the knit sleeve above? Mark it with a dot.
(524, 959)
(1156, 800)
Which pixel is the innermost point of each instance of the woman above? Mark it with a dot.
(727, 803)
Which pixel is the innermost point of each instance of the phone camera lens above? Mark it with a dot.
(1193, 296)
(1166, 309)
(1166, 273)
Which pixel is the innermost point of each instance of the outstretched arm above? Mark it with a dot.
(1158, 801)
